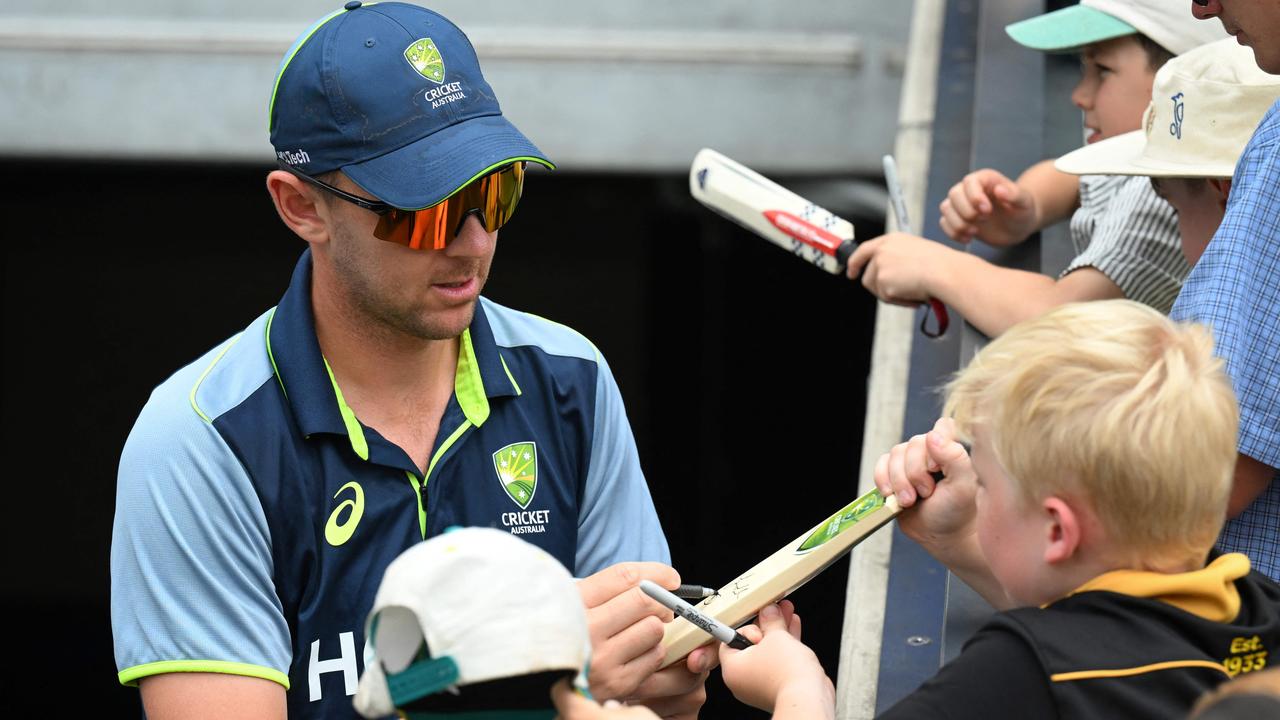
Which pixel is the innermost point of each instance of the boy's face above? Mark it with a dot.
(1114, 88)
(1010, 533)
(1200, 208)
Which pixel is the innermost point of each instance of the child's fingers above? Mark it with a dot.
(916, 466)
(881, 475)
(751, 632)
(946, 452)
(960, 203)
(770, 620)
(976, 193)
(898, 476)
(861, 256)
(955, 228)
(793, 626)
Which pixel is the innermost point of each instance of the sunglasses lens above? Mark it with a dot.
(493, 198)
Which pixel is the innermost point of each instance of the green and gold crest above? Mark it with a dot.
(425, 58)
(517, 468)
(843, 520)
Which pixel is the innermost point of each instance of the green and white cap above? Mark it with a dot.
(1167, 22)
(473, 621)
(1204, 107)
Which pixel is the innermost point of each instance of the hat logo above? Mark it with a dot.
(517, 468)
(425, 59)
(1175, 127)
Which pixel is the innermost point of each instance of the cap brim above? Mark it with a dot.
(429, 170)
(1068, 29)
(1123, 155)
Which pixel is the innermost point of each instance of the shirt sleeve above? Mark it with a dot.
(996, 672)
(1136, 244)
(617, 521)
(1235, 289)
(191, 564)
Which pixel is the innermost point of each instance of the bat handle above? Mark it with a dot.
(941, 317)
(943, 320)
(844, 252)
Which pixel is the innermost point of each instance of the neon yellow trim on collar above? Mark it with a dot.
(1209, 592)
(467, 383)
(354, 432)
(510, 377)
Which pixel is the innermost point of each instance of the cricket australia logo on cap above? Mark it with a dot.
(424, 57)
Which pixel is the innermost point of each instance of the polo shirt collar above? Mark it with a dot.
(1209, 592)
(313, 394)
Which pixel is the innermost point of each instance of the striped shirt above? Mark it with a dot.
(1129, 234)
(1235, 289)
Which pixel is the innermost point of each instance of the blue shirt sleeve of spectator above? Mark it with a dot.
(1235, 289)
(191, 564)
(617, 520)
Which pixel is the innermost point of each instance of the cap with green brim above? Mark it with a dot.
(1164, 22)
(1068, 29)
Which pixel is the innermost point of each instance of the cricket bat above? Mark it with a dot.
(791, 222)
(775, 577)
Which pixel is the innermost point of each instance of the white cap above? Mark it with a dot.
(1168, 22)
(488, 605)
(1204, 108)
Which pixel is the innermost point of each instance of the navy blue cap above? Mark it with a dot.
(392, 95)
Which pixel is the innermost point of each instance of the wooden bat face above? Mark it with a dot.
(778, 575)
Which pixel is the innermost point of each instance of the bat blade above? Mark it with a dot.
(771, 211)
(775, 577)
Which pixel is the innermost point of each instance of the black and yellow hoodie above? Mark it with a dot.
(1127, 644)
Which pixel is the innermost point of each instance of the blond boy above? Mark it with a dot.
(1205, 108)
(1103, 439)
(1125, 238)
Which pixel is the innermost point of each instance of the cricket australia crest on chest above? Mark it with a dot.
(516, 466)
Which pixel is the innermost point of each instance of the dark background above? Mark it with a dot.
(744, 373)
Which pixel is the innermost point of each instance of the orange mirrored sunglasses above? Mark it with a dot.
(492, 199)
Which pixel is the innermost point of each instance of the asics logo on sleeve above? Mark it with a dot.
(339, 530)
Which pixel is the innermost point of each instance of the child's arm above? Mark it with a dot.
(943, 521)
(779, 674)
(907, 270)
(999, 211)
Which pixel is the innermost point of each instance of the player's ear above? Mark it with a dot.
(298, 206)
(1062, 529)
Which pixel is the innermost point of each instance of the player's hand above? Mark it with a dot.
(572, 706)
(990, 207)
(625, 625)
(897, 267)
(905, 471)
(778, 665)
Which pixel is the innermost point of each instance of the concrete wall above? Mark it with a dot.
(807, 86)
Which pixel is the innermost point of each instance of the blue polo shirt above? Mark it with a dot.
(1235, 289)
(255, 513)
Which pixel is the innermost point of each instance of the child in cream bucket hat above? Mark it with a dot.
(1204, 108)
